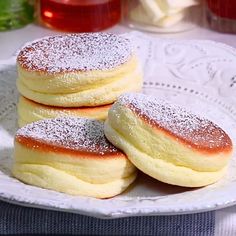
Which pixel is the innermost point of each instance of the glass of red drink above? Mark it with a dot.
(221, 15)
(79, 15)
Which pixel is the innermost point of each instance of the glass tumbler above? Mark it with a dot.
(161, 16)
(79, 15)
(221, 15)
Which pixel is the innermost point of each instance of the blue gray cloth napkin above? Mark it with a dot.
(23, 220)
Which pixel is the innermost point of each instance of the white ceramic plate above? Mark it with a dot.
(199, 75)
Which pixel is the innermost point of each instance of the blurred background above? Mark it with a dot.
(25, 20)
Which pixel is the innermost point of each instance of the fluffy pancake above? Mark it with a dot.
(30, 111)
(167, 142)
(71, 155)
(74, 70)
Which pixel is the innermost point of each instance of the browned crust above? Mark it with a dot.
(70, 109)
(45, 72)
(38, 45)
(225, 145)
(44, 147)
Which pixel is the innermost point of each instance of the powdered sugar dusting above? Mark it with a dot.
(76, 52)
(71, 133)
(194, 130)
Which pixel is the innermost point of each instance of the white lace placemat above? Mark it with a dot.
(199, 75)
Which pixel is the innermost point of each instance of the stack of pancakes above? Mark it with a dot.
(75, 75)
(83, 75)
(73, 155)
(168, 142)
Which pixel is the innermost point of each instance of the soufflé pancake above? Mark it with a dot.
(71, 155)
(30, 111)
(77, 70)
(167, 142)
